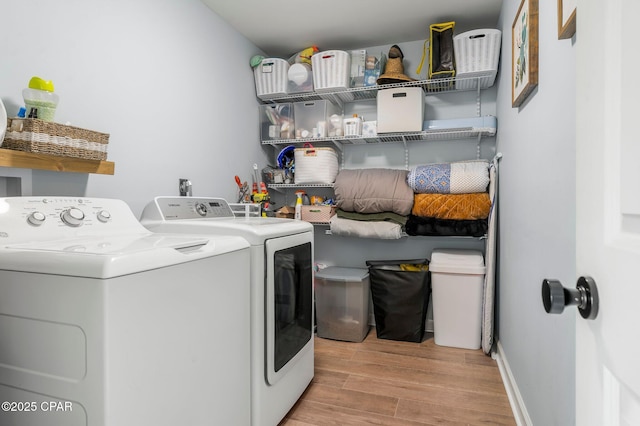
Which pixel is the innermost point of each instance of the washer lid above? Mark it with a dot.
(107, 257)
(255, 230)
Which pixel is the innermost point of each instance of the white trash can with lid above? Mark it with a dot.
(457, 283)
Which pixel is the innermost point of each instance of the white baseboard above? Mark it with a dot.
(513, 393)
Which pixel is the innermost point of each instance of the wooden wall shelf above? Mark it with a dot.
(28, 160)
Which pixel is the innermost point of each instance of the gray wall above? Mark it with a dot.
(537, 222)
(167, 79)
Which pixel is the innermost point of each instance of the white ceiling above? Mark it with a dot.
(283, 27)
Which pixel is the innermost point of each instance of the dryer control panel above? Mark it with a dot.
(180, 208)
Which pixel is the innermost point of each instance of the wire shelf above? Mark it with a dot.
(426, 135)
(478, 81)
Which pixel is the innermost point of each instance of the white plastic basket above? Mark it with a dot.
(331, 70)
(477, 54)
(271, 78)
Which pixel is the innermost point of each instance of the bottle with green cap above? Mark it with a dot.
(39, 99)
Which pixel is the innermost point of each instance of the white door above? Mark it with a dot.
(608, 210)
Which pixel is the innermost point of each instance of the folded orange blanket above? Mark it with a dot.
(452, 206)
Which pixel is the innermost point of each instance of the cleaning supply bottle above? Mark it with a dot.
(298, 212)
(39, 99)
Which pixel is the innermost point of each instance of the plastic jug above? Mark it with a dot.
(40, 100)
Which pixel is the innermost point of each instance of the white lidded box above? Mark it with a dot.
(271, 78)
(342, 303)
(400, 109)
(457, 285)
(331, 70)
(477, 54)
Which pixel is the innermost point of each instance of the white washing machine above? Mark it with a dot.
(281, 294)
(104, 323)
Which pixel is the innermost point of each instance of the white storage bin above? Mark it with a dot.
(400, 110)
(317, 119)
(342, 303)
(477, 54)
(331, 70)
(276, 121)
(271, 78)
(457, 283)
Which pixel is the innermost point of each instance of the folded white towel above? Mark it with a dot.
(365, 229)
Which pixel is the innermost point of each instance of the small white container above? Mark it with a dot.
(331, 70)
(352, 126)
(271, 78)
(342, 303)
(370, 129)
(300, 78)
(457, 284)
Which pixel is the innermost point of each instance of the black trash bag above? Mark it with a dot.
(400, 297)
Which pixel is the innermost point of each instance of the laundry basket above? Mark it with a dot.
(477, 54)
(271, 78)
(331, 70)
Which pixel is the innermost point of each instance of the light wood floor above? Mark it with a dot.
(384, 382)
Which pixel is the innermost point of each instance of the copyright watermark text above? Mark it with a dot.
(31, 406)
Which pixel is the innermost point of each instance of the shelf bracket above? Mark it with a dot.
(478, 103)
(338, 145)
(478, 146)
(406, 154)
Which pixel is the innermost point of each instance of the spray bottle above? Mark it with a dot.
(298, 213)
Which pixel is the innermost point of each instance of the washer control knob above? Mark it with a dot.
(201, 209)
(104, 216)
(72, 217)
(36, 218)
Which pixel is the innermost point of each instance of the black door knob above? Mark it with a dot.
(584, 296)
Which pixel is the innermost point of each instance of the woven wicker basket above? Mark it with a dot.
(43, 137)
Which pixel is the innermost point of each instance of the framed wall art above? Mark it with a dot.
(524, 49)
(566, 18)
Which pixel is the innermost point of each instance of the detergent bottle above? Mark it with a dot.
(298, 212)
(39, 99)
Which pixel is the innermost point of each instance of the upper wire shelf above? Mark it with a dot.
(477, 81)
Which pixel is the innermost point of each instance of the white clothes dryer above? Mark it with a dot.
(281, 294)
(105, 323)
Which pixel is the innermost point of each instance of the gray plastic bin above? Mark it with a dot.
(342, 303)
